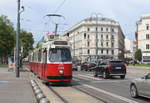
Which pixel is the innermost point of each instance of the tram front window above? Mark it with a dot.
(59, 55)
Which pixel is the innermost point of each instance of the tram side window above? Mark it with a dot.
(39, 56)
(33, 57)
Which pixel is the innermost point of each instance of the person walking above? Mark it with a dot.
(10, 63)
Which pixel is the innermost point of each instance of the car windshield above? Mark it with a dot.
(116, 62)
(59, 55)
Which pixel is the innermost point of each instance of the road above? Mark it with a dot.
(114, 90)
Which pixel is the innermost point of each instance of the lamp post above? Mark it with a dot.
(56, 24)
(17, 39)
(96, 32)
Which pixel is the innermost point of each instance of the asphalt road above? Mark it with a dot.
(114, 90)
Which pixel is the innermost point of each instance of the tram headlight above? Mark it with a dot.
(61, 72)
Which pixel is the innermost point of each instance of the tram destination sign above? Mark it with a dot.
(60, 43)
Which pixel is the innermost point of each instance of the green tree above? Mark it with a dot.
(7, 40)
(26, 42)
(138, 55)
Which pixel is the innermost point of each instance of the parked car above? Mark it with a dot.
(108, 68)
(88, 66)
(74, 67)
(140, 87)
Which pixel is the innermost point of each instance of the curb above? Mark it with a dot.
(41, 98)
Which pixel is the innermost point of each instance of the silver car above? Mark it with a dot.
(140, 87)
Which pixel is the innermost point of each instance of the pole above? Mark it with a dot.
(17, 40)
(56, 27)
(96, 37)
(74, 46)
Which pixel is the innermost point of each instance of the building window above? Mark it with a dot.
(107, 51)
(106, 29)
(107, 43)
(112, 44)
(88, 43)
(112, 37)
(106, 36)
(88, 36)
(102, 44)
(102, 36)
(147, 46)
(84, 35)
(112, 30)
(96, 29)
(147, 26)
(101, 29)
(102, 51)
(68, 34)
(88, 29)
(147, 36)
(112, 52)
(88, 51)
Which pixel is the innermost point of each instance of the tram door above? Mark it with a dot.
(44, 62)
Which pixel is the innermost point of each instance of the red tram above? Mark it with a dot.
(52, 62)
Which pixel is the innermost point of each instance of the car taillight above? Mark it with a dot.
(110, 66)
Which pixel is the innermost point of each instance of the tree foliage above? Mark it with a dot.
(7, 34)
(138, 55)
(26, 42)
(7, 39)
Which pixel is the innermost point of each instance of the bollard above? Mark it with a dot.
(32, 81)
(37, 91)
(44, 100)
(34, 84)
(40, 96)
(36, 87)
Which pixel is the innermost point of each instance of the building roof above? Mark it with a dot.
(91, 19)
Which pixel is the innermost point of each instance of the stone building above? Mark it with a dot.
(94, 38)
(143, 37)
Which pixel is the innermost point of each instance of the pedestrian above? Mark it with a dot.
(10, 63)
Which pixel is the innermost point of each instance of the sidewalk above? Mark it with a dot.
(15, 90)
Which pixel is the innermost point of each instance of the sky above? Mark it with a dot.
(34, 19)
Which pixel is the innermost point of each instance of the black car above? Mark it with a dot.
(88, 66)
(110, 68)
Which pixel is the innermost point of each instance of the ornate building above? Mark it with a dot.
(96, 38)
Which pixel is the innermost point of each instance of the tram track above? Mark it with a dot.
(57, 94)
(90, 94)
(74, 94)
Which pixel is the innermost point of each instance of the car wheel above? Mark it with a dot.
(105, 76)
(95, 75)
(133, 91)
(122, 76)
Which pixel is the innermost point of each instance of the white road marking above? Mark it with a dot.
(76, 79)
(111, 94)
(89, 77)
(81, 77)
(104, 81)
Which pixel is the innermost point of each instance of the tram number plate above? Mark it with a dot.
(118, 67)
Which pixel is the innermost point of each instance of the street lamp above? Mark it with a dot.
(96, 33)
(56, 24)
(17, 38)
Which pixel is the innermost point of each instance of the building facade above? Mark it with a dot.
(130, 48)
(94, 38)
(143, 37)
